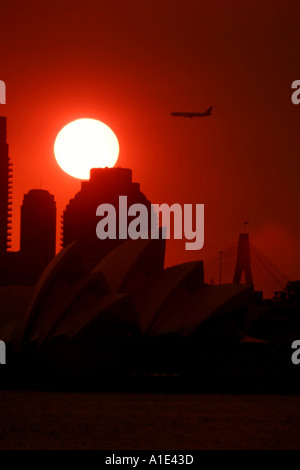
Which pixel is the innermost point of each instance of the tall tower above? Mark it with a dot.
(243, 261)
(79, 219)
(5, 191)
(38, 231)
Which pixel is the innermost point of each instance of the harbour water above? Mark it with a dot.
(152, 421)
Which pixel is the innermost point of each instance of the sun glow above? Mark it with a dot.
(84, 144)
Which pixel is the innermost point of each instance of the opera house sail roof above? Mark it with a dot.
(79, 321)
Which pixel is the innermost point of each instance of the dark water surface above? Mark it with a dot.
(128, 421)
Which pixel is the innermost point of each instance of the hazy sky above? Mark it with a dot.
(130, 63)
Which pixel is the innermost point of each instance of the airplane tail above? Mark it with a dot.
(208, 112)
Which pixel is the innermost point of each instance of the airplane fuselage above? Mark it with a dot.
(192, 115)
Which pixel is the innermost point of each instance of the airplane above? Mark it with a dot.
(191, 115)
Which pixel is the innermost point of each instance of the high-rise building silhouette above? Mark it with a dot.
(79, 219)
(5, 190)
(38, 231)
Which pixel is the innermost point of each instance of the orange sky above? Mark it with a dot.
(130, 63)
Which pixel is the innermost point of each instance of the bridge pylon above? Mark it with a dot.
(243, 263)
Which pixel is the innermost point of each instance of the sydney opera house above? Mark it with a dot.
(81, 323)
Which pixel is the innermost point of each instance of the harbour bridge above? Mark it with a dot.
(243, 263)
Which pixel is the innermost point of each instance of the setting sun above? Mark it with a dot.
(84, 144)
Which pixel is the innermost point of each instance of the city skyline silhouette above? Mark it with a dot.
(240, 162)
(38, 232)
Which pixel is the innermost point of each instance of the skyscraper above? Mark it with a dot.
(5, 190)
(38, 230)
(79, 219)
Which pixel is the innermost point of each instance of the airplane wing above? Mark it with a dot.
(191, 115)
